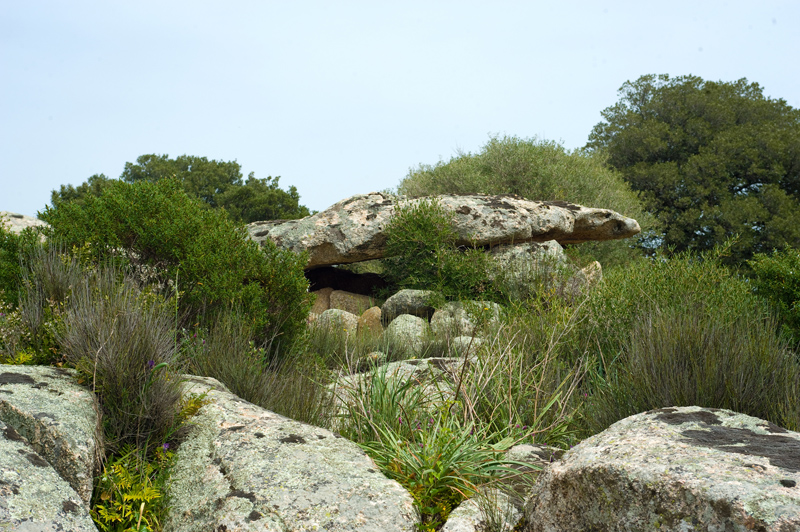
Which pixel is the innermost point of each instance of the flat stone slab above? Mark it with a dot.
(244, 468)
(352, 229)
(674, 469)
(57, 416)
(33, 496)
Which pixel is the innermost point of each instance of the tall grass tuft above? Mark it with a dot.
(48, 277)
(121, 340)
(286, 385)
(697, 358)
(685, 331)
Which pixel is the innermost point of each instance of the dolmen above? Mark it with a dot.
(352, 230)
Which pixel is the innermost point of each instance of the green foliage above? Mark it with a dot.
(422, 254)
(776, 277)
(217, 184)
(682, 332)
(13, 248)
(441, 464)
(29, 331)
(129, 494)
(94, 186)
(711, 159)
(170, 240)
(539, 171)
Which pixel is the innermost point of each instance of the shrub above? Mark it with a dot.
(122, 342)
(13, 247)
(228, 353)
(173, 241)
(681, 332)
(539, 170)
(420, 244)
(679, 357)
(777, 279)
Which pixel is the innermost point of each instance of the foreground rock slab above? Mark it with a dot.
(244, 468)
(33, 497)
(352, 229)
(674, 469)
(58, 418)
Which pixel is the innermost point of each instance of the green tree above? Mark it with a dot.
(168, 238)
(94, 186)
(711, 159)
(538, 170)
(217, 184)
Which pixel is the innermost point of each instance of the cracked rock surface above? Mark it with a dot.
(244, 468)
(674, 469)
(352, 229)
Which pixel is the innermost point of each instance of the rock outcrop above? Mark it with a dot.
(674, 469)
(48, 449)
(352, 229)
(244, 468)
(16, 223)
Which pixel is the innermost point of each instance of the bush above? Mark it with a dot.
(422, 254)
(540, 171)
(681, 332)
(123, 343)
(228, 353)
(172, 241)
(13, 247)
(777, 279)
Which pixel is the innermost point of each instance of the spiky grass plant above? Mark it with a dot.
(698, 358)
(290, 386)
(121, 340)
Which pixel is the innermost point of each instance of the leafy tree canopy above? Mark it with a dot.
(215, 183)
(538, 170)
(711, 159)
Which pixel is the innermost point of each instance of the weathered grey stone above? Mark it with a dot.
(352, 303)
(410, 332)
(58, 417)
(369, 323)
(243, 468)
(33, 496)
(674, 469)
(414, 302)
(16, 223)
(338, 319)
(352, 229)
(465, 345)
(528, 254)
(465, 319)
(489, 510)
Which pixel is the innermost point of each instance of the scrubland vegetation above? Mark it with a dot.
(139, 282)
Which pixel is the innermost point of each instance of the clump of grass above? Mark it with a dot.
(685, 331)
(696, 358)
(520, 384)
(121, 340)
(291, 386)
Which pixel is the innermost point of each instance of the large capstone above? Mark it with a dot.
(352, 230)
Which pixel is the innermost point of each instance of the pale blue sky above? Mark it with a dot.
(340, 98)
